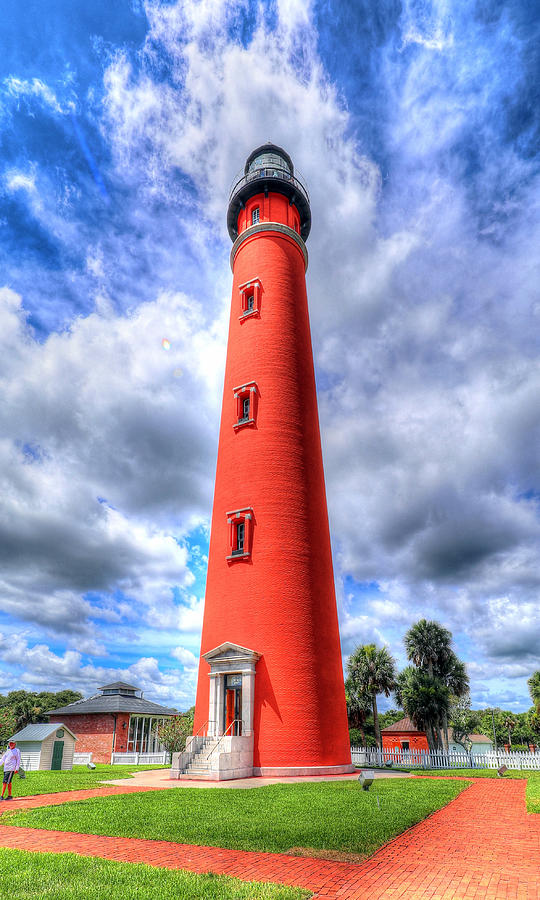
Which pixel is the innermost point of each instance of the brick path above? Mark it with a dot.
(483, 845)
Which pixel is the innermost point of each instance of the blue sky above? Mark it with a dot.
(416, 128)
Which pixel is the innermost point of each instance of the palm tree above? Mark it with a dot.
(534, 689)
(358, 708)
(454, 675)
(372, 671)
(509, 723)
(428, 645)
(425, 699)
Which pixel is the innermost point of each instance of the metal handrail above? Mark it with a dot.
(198, 732)
(268, 172)
(224, 735)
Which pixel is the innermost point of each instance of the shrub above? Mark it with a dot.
(174, 732)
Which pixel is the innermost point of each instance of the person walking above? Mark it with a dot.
(11, 760)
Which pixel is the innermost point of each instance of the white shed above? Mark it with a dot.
(46, 746)
(480, 743)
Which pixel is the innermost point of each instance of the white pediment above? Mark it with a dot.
(230, 651)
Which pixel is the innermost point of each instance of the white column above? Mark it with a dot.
(248, 692)
(212, 718)
(218, 706)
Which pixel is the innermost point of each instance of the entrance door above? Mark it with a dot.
(57, 754)
(233, 705)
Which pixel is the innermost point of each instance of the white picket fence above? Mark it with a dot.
(426, 759)
(82, 759)
(139, 759)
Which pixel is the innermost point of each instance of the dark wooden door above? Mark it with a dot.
(58, 752)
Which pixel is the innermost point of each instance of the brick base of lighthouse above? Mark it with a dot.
(223, 749)
(298, 771)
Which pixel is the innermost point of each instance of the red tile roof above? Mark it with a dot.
(403, 725)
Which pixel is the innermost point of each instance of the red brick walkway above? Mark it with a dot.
(483, 845)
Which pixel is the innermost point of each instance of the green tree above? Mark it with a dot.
(509, 723)
(428, 645)
(8, 725)
(425, 699)
(488, 718)
(372, 671)
(534, 725)
(358, 708)
(390, 717)
(453, 674)
(523, 732)
(173, 732)
(534, 689)
(463, 719)
(25, 708)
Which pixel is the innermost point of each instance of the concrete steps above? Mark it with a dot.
(200, 765)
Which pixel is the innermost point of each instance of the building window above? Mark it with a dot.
(255, 216)
(240, 535)
(405, 745)
(245, 397)
(142, 735)
(240, 523)
(250, 298)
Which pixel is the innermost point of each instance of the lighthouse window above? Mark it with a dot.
(250, 299)
(240, 523)
(240, 533)
(246, 405)
(255, 215)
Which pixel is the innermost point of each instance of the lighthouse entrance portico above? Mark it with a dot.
(232, 690)
(223, 747)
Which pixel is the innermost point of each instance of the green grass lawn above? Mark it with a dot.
(66, 876)
(532, 793)
(75, 779)
(335, 816)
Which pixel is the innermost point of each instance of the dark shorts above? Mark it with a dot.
(8, 776)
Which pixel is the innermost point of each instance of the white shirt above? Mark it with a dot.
(11, 760)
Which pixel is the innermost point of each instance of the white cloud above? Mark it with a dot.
(423, 297)
(20, 88)
(186, 657)
(106, 459)
(20, 181)
(42, 669)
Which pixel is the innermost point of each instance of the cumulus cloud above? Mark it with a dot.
(423, 293)
(42, 669)
(106, 461)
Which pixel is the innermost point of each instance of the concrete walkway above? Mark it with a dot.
(159, 778)
(483, 845)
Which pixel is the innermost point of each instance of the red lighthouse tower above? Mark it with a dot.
(270, 696)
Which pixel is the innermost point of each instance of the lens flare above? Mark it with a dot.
(166, 344)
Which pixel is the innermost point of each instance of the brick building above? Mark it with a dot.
(404, 735)
(117, 720)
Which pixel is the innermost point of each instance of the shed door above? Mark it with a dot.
(57, 754)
